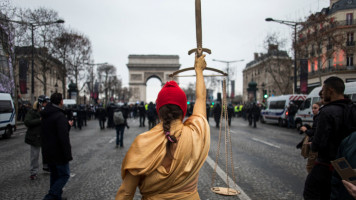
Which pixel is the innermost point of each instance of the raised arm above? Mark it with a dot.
(200, 91)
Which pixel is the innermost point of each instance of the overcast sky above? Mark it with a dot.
(232, 29)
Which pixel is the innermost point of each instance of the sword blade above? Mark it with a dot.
(198, 24)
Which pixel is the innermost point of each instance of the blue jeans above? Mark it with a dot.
(120, 135)
(59, 177)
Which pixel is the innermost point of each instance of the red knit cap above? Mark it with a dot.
(171, 93)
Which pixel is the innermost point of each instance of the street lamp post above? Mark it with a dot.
(33, 25)
(228, 69)
(294, 25)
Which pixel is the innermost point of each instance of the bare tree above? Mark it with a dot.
(276, 64)
(105, 73)
(78, 53)
(190, 92)
(319, 41)
(125, 94)
(41, 37)
(7, 46)
(74, 50)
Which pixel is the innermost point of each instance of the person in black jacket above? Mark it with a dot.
(327, 138)
(33, 124)
(151, 115)
(142, 113)
(309, 134)
(217, 115)
(253, 114)
(230, 112)
(101, 114)
(56, 145)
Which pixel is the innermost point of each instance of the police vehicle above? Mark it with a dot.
(7, 115)
(277, 106)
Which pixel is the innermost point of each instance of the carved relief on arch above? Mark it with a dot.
(136, 77)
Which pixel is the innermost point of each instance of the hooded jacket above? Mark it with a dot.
(56, 148)
(33, 124)
(329, 130)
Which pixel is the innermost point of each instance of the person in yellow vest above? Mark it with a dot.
(164, 162)
(236, 110)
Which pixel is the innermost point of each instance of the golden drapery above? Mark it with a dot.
(145, 156)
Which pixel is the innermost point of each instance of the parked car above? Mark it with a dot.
(276, 108)
(7, 115)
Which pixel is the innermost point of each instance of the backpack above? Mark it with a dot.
(119, 118)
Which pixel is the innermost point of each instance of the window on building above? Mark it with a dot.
(349, 60)
(349, 17)
(350, 39)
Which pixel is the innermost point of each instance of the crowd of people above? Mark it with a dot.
(330, 128)
(49, 124)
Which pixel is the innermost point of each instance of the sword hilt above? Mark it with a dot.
(199, 51)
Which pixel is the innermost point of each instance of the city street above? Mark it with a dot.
(266, 164)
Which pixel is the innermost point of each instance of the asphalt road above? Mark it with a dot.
(266, 164)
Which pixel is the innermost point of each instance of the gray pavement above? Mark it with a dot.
(261, 171)
(95, 169)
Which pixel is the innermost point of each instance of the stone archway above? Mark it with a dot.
(143, 67)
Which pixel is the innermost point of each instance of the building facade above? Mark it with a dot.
(270, 72)
(47, 80)
(326, 41)
(7, 84)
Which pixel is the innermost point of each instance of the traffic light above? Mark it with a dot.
(265, 95)
(188, 102)
(212, 103)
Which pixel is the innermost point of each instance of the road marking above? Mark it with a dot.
(222, 174)
(112, 140)
(264, 142)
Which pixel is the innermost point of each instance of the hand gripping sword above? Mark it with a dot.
(199, 50)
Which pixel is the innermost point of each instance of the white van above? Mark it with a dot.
(276, 108)
(305, 114)
(7, 115)
(350, 91)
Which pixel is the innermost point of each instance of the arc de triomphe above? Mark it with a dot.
(143, 67)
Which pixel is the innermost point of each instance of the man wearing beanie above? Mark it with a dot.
(164, 162)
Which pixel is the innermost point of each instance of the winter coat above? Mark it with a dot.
(101, 113)
(56, 148)
(230, 111)
(141, 109)
(33, 124)
(217, 112)
(330, 130)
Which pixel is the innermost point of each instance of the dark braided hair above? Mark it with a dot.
(169, 113)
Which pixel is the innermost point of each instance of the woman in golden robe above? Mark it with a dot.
(164, 162)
